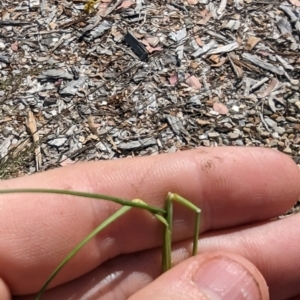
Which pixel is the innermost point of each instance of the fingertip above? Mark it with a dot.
(4, 291)
(213, 276)
(223, 275)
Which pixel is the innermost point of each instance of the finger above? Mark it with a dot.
(217, 275)
(207, 277)
(125, 275)
(272, 247)
(232, 186)
(4, 291)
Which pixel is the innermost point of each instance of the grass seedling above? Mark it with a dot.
(164, 215)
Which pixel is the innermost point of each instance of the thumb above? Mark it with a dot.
(213, 276)
(4, 291)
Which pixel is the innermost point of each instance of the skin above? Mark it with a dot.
(238, 189)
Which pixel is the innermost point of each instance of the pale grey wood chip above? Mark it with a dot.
(285, 64)
(72, 87)
(141, 143)
(239, 4)
(100, 29)
(287, 9)
(284, 26)
(262, 64)
(222, 7)
(176, 125)
(57, 142)
(55, 74)
(4, 146)
(207, 47)
(224, 49)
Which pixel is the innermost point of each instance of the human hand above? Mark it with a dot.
(238, 189)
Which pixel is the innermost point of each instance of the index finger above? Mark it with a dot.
(232, 186)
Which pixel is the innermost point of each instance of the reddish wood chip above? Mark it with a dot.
(295, 2)
(173, 79)
(14, 46)
(126, 4)
(193, 81)
(220, 108)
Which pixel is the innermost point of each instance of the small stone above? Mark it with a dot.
(281, 144)
(252, 112)
(226, 142)
(228, 125)
(235, 108)
(280, 130)
(233, 135)
(239, 143)
(238, 117)
(291, 136)
(203, 136)
(291, 119)
(6, 131)
(206, 143)
(280, 119)
(273, 143)
(265, 134)
(213, 135)
(267, 112)
(246, 129)
(287, 150)
(271, 123)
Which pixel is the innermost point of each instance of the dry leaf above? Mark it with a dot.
(126, 4)
(192, 81)
(295, 2)
(152, 40)
(192, 2)
(93, 127)
(149, 48)
(203, 122)
(206, 15)
(91, 137)
(252, 42)
(52, 25)
(220, 63)
(220, 108)
(199, 41)
(270, 88)
(31, 126)
(215, 58)
(237, 70)
(194, 64)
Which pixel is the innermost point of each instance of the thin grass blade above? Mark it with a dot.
(77, 248)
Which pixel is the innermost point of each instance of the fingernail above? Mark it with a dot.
(223, 278)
